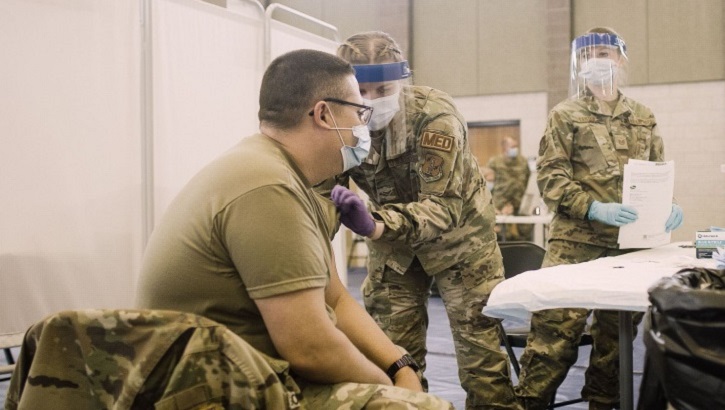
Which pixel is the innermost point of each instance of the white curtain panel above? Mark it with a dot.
(284, 38)
(70, 229)
(73, 151)
(207, 69)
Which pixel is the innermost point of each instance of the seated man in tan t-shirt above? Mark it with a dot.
(247, 243)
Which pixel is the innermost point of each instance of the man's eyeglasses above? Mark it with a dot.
(364, 113)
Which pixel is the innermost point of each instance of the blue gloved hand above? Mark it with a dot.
(353, 212)
(675, 219)
(612, 213)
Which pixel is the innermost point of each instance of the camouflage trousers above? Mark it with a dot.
(144, 359)
(368, 396)
(552, 345)
(398, 303)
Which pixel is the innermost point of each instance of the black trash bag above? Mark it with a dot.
(684, 333)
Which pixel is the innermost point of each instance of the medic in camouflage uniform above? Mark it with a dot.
(588, 140)
(432, 220)
(511, 177)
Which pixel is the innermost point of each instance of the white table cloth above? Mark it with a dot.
(614, 283)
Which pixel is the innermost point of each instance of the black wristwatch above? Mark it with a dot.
(406, 360)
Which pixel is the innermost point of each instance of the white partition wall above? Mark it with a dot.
(70, 230)
(107, 108)
(207, 65)
(282, 37)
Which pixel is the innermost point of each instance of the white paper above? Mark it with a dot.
(648, 187)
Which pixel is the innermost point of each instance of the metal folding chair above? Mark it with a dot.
(519, 257)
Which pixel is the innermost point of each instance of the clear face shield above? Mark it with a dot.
(598, 66)
(382, 87)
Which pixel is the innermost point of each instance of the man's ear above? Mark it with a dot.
(321, 114)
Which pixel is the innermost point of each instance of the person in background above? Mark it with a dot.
(246, 243)
(512, 173)
(431, 219)
(588, 140)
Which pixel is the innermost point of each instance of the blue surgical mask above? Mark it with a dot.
(353, 156)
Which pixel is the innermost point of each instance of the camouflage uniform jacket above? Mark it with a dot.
(512, 177)
(122, 359)
(581, 159)
(427, 189)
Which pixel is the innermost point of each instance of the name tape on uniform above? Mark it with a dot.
(437, 141)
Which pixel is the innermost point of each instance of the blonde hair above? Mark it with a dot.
(603, 30)
(370, 47)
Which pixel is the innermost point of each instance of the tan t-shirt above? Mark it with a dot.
(247, 226)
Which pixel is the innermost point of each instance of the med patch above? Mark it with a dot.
(437, 141)
(432, 168)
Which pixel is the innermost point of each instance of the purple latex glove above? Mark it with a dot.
(353, 212)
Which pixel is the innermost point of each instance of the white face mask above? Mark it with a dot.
(598, 70)
(512, 152)
(353, 156)
(384, 109)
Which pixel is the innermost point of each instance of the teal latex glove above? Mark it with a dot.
(613, 213)
(675, 219)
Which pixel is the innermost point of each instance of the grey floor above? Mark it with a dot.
(4, 383)
(442, 371)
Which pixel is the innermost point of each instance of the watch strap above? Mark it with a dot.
(405, 361)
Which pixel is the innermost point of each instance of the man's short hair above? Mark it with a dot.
(295, 81)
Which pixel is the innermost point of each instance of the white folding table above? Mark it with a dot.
(540, 223)
(615, 283)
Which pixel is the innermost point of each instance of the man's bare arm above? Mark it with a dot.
(365, 334)
(304, 335)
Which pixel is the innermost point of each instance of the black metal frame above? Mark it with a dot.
(10, 359)
(519, 257)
